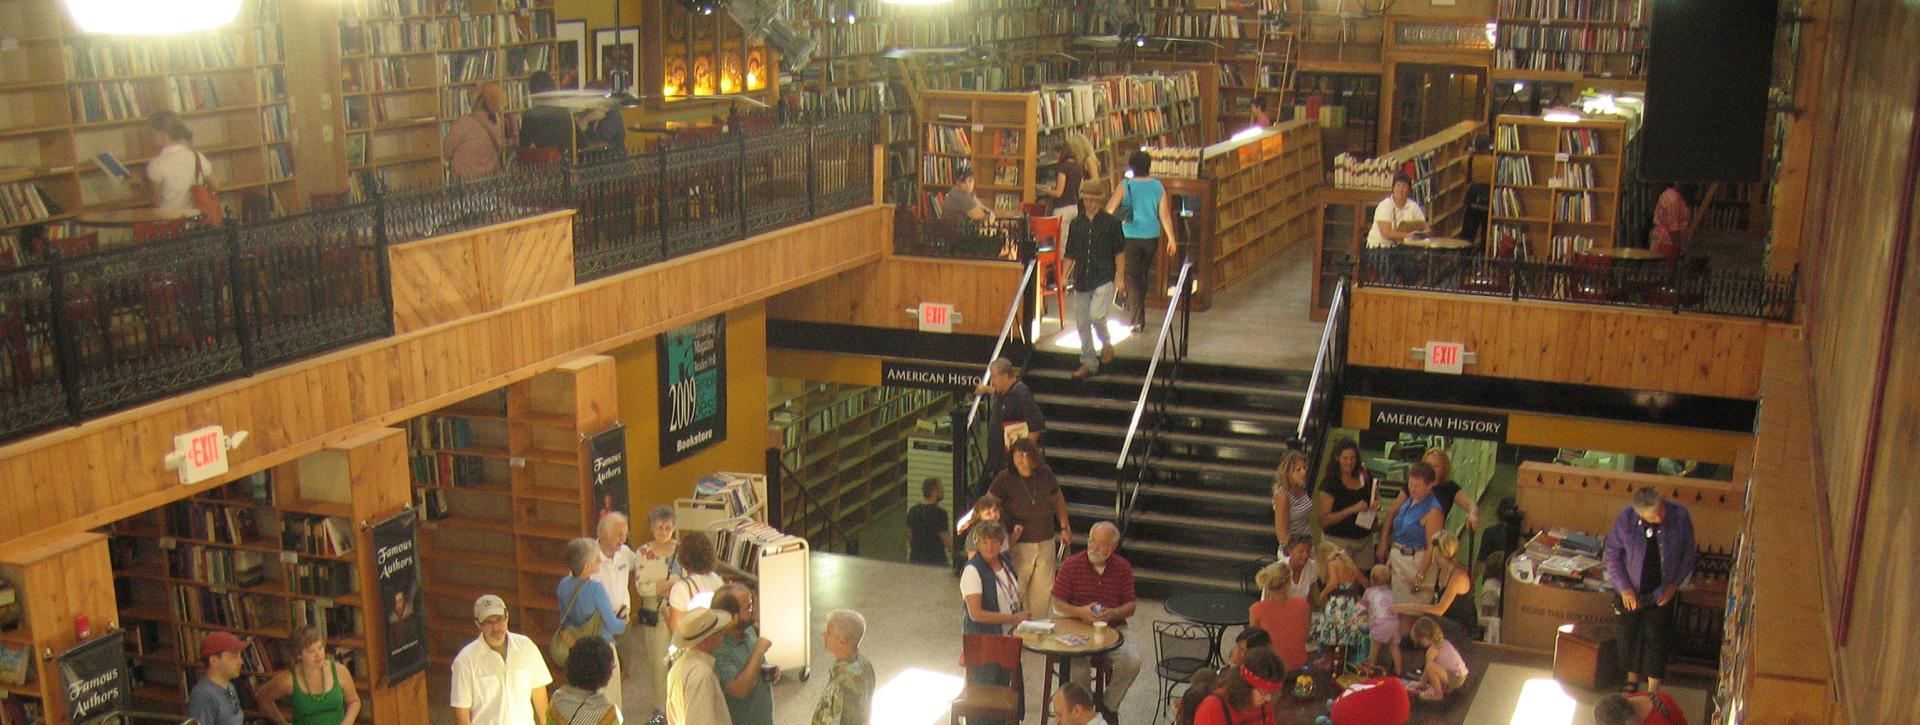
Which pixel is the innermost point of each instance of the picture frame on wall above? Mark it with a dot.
(570, 68)
(617, 49)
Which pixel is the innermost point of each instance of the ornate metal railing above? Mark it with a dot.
(997, 240)
(1655, 284)
(84, 334)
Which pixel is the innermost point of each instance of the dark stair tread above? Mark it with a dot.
(1207, 386)
(1174, 436)
(1165, 463)
(1167, 548)
(1211, 494)
(1185, 581)
(1184, 410)
(1264, 528)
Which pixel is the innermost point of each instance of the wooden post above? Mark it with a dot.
(56, 582)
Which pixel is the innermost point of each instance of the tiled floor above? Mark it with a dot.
(912, 639)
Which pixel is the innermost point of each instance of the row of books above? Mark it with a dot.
(1580, 141)
(1619, 11)
(267, 47)
(388, 8)
(204, 52)
(471, 65)
(402, 37)
(279, 162)
(273, 84)
(276, 124)
(1506, 137)
(1506, 203)
(938, 171)
(109, 101)
(1006, 172)
(447, 469)
(1153, 121)
(486, 30)
(458, 101)
(1571, 175)
(1509, 236)
(23, 202)
(228, 609)
(525, 59)
(214, 523)
(336, 621)
(215, 565)
(193, 93)
(869, 97)
(110, 60)
(321, 578)
(1076, 104)
(1136, 91)
(1587, 39)
(1579, 207)
(1565, 61)
(744, 543)
(314, 534)
(1197, 25)
(740, 491)
(943, 139)
(1565, 246)
(1175, 163)
(387, 74)
(1515, 170)
(439, 432)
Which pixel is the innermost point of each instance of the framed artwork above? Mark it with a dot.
(618, 51)
(570, 69)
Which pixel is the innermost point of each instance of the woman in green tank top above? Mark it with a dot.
(319, 691)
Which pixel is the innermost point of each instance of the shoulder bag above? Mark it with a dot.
(205, 198)
(565, 637)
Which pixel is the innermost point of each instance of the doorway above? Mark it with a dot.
(1429, 98)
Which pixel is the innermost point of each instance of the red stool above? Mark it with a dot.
(1050, 253)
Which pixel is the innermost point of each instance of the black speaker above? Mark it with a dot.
(1709, 64)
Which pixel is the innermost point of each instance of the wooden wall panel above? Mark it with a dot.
(59, 579)
(878, 296)
(1563, 342)
(106, 469)
(446, 278)
(1588, 499)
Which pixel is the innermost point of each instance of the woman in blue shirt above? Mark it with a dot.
(1416, 518)
(1146, 218)
(583, 561)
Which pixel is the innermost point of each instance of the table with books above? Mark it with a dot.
(1556, 579)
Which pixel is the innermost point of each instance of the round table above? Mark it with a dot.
(1214, 610)
(1628, 254)
(1060, 654)
(1437, 243)
(135, 215)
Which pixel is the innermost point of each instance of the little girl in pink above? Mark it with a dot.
(1385, 625)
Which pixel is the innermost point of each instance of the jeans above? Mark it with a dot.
(1140, 254)
(1089, 310)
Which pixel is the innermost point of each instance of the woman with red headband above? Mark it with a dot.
(1245, 692)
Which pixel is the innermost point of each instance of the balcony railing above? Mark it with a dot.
(998, 240)
(88, 333)
(1655, 284)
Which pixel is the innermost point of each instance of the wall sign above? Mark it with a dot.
(931, 377)
(693, 388)
(1439, 421)
(936, 317)
(1446, 357)
(94, 677)
(396, 557)
(608, 452)
(199, 454)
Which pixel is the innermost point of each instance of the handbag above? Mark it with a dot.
(205, 198)
(565, 636)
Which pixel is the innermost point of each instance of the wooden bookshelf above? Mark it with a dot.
(1245, 56)
(409, 68)
(54, 581)
(67, 96)
(1210, 120)
(503, 484)
(1263, 196)
(1540, 40)
(260, 557)
(1347, 107)
(1557, 185)
(1333, 42)
(1441, 168)
(995, 134)
(848, 443)
(1153, 109)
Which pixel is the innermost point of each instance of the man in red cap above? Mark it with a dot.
(213, 700)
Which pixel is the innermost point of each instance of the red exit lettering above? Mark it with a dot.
(206, 449)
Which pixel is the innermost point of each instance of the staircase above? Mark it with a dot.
(1205, 510)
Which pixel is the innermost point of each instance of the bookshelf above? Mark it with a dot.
(1263, 197)
(1347, 106)
(993, 133)
(848, 443)
(502, 483)
(1211, 121)
(67, 96)
(1244, 56)
(1556, 186)
(1336, 42)
(1153, 109)
(1546, 40)
(54, 581)
(408, 68)
(260, 557)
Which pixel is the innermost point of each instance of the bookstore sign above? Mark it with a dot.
(94, 677)
(1439, 421)
(930, 377)
(607, 452)
(693, 388)
(396, 556)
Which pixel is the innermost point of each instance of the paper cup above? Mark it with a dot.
(1099, 631)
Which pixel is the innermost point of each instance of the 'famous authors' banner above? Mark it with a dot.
(94, 677)
(396, 556)
(693, 388)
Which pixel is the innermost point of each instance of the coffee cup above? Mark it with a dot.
(1099, 631)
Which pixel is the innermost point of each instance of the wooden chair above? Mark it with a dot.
(992, 657)
(1051, 255)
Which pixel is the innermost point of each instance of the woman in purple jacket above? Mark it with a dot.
(1649, 555)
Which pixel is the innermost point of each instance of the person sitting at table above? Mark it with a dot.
(1282, 613)
(1245, 692)
(546, 132)
(1395, 219)
(176, 167)
(1096, 585)
(1450, 583)
(1414, 519)
(960, 205)
(1672, 217)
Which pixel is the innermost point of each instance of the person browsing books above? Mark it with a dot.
(176, 167)
(213, 700)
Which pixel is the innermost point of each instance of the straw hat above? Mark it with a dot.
(698, 625)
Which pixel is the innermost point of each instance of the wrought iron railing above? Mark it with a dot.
(1687, 286)
(997, 240)
(87, 333)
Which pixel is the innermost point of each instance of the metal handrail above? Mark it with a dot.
(1122, 503)
(1323, 387)
(1006, 329)
(810, 505)
(1320, 361)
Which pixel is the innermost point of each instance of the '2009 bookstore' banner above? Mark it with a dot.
(693, 388)
(94, 677)
(396, 557)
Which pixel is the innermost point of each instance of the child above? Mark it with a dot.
(1341, 624)
(986, 508)
(1445, 670)
(929, 537)
(1198, 688)
(1385, 625)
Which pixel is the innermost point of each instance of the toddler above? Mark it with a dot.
(1445, 671)
(1385, 624)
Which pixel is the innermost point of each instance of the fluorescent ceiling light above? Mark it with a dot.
(151, 17)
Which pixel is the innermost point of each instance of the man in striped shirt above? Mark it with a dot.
(1096, 585)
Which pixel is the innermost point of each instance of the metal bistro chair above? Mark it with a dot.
(1179, 650)
(996, 656)
(1251, 569)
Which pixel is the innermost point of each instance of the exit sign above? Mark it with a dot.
(201, 454)
(1446, 357)
(936, 317)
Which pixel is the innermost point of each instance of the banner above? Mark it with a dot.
(1439, 421)
(693, 388)
(931, 377)
(94, 677)
(396, 556)
(608, 452)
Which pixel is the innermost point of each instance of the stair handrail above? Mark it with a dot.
(809, 506)
(1323, 386)
(1006, 329)
(1177, 308)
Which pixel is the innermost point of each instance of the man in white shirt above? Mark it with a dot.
(1073, 705)
(694, 696)
(616, 574)
(1397, 217)
(500, 678)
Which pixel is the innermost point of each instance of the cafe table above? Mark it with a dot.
(1215, 610)
(1070, 639)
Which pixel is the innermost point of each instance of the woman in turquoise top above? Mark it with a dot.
(1416, 518)
(319, 691)
(1147, 217)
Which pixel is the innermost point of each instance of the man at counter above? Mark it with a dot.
(1649, 554)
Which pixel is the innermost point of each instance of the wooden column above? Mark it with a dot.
(58, 581)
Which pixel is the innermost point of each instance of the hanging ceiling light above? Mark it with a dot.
(151, 17)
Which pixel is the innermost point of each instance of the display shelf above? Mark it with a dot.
(1262, 200)
(848, 445)
(1556, 186)
(1548, 41)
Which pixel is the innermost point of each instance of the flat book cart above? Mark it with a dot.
(749, 548)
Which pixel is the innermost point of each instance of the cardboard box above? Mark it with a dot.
(1534, 612)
